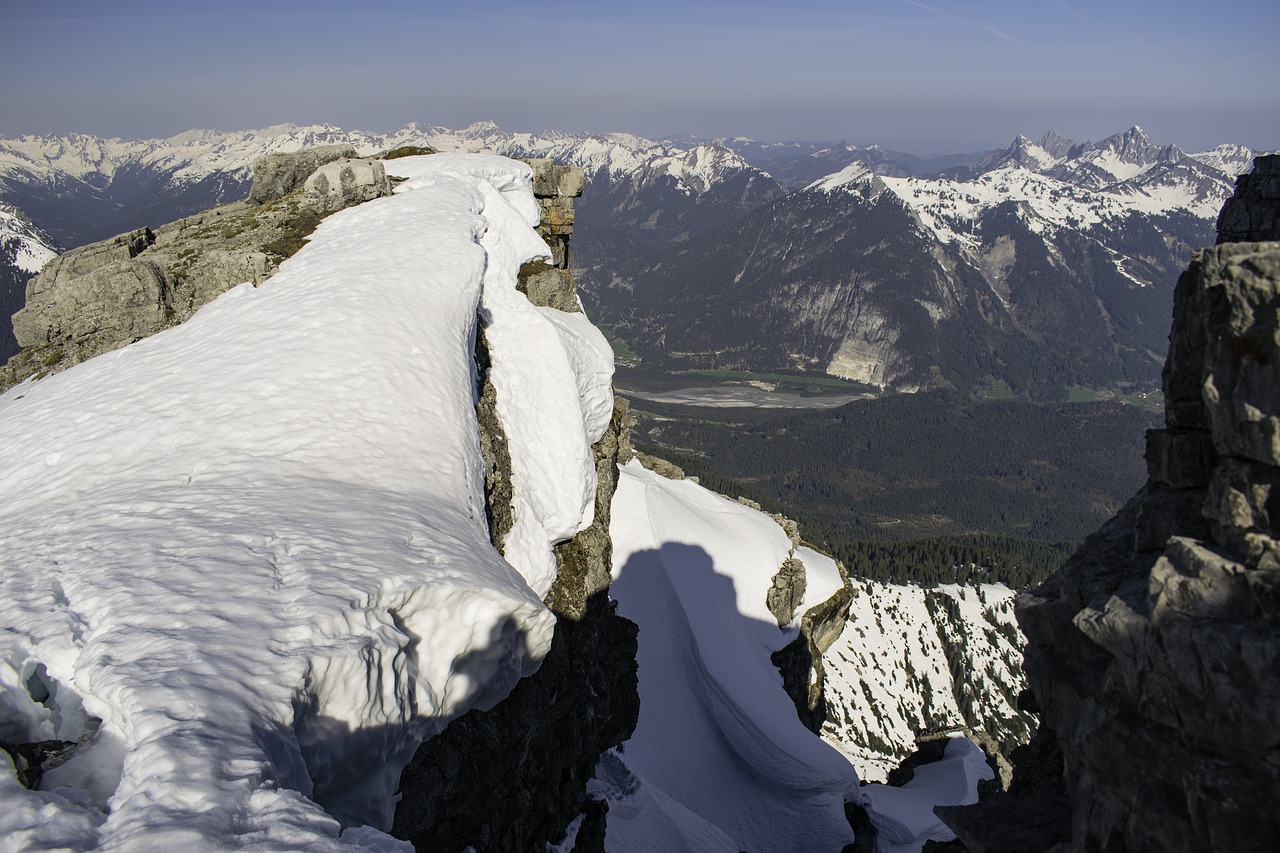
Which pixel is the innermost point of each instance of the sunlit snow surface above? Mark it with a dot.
(255, 545)
(889, 675)
(31, 249)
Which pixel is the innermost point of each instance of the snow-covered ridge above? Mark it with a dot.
(1058, 184)
(855, 175)
(245, 561)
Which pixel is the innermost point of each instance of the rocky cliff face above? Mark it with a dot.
(1155, 652)
(514, 777)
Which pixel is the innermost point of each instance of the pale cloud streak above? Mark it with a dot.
(934, 10)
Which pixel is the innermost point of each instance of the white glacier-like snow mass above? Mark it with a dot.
(245, 562)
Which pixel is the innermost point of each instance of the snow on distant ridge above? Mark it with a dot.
(196, 154)
(1059, 184)
(254, 546)
(32, 248)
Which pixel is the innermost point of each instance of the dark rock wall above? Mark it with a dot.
(1154, 653)
(1253, 213)
(514, 777)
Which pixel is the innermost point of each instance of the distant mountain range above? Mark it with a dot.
(1031, 270)
(1037, 267)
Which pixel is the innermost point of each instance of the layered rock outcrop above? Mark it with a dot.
(103, 296)
(1154, 653)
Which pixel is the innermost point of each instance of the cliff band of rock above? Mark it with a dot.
(512, 778)
(1154, 653)
(106, 295)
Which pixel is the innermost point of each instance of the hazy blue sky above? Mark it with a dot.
(925, 76)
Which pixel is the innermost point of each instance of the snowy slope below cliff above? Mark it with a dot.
(913, 660)
(717, 733)
(245, 562)
(719, 759)
(22, 243)
(24, 249)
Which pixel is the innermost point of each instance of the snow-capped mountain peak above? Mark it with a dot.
(1229, 158)
(855, 177)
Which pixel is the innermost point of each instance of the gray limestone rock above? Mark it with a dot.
(660, 466)
(277, 175)
(549, 286)
(1154, 653)
(1253, 213)
(345, 182)
(554, 181)
(786, 594)
(105, 295)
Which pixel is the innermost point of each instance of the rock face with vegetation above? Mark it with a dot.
(100, 297)
(514, 777)
(1154, 653)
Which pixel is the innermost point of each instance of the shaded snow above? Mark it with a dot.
(255, 544)
(719, 759)
(717, 733)
(904, 818)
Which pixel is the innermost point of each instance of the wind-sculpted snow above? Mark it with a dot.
(719, 759)
(717, 733)
(254, 546)
(904, 818)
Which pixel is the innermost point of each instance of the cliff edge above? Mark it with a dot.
(1154, 653)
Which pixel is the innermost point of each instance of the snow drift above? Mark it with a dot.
(717, 735)
(245, 562)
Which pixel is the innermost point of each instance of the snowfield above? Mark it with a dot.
(31, 248)
(719, 760)
(245, 562)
